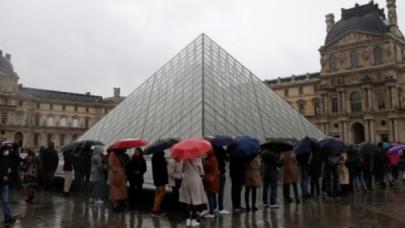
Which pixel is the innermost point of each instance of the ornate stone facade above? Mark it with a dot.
(33, 117)
(358, 95)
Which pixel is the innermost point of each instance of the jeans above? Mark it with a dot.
(98, 190)
(4, 202)
(331, 180)
(315, 190)
(249, 189)
(212, 204)
(222, 180)
(358, 181)
(270, 180)
(304, 180)
(236, 192)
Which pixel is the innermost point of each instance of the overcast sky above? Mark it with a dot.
(94, 45)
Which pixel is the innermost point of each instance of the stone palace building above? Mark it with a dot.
(359, 94)
(32, 117)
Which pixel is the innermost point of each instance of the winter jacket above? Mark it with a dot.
(50, 159)
(117, 177)
(136, 168)
(159, 169)
(222, 158)
(4, 169)
(192, 191)
(211, 177)
(237, 168)
(68, 161)
(253, 177)
(97, 167)
(290, 168)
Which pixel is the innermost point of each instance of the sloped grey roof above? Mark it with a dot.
(364, 18)
(58, 95)
(202, 91)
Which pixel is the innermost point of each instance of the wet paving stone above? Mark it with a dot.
(378, 208)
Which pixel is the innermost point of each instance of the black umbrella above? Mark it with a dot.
(369, 149)
(71, 147)
(277, 146)
(160, 145)
(331, 146)
(304, 146)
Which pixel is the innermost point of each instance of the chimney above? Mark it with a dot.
(117, 92)
(8, 57)
(392, 13)
(330, 21)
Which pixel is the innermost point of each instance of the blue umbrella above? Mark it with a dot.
(220, 140)
(304, 146)
(244, 146)
(386, 146)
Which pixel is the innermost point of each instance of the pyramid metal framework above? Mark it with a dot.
(202, 91)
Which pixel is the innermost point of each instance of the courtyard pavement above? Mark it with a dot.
(378, 208)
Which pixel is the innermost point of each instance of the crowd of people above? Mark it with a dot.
(199, 183)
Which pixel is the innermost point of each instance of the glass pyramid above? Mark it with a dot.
(202, 91)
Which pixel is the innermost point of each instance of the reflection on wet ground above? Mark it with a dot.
(379, 208)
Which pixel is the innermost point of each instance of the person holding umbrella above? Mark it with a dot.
(290, 175)
(253, 180)
(211, 182)
(29, 173)
(271, 170)
(192, 190)
(315, 168)
(160, 180)
(118, 180)
(136, 168)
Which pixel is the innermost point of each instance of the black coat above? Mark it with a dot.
(68, 161)
(237, 167)
(271, 163)
(222, 158)
(136, 168)
(4, 168)
(315, 165)
(50, 160)
(159, 169)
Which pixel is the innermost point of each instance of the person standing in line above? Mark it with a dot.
(222, 158)
(160, 180)
(271, 170)
(303, 163)
(15, 163)
(49, 161)
(117, 179)
(29, 173)
(237, 173)
(97, 175)
(290, 176)
(175, 171)
(315, 168)
(192, 190)
(253, 180)
(4, 190)
(136, 168)
(68, 170)
(211, 182)
(343, 174)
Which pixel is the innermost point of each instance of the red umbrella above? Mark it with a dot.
(129, 143)
(190, 149)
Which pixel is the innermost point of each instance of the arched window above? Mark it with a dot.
(37, 138)
(50, 121)
(75, 122)
(62, 139)
(62, 121)
(86, 122)
(354, 57)
(332, 63)
(49, 138)
(378, 56)
(355, 100)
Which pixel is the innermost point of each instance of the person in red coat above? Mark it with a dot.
(211, 182)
